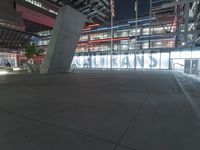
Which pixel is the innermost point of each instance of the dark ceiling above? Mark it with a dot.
(96, 10)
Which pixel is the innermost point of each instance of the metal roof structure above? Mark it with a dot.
(178, 17)
(10, 38)
(95, 10)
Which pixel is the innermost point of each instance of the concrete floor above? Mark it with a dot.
(141, 110)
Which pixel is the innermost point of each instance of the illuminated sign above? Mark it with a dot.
(143, 61)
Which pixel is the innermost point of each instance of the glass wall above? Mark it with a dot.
(124, 61)
(6, 58)
(157, 60)
(187, 61)
(124, 40)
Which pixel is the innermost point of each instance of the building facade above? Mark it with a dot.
(168, 38)
(154, 51)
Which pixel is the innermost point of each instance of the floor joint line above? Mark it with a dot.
(132, 121)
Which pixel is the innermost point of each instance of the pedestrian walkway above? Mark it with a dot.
(100, 110)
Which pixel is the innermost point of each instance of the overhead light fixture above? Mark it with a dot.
(183, 43)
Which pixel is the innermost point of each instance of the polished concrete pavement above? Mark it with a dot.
(100, 110)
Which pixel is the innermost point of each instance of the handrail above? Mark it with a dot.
(193, 72)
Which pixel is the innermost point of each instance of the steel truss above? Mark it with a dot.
(180, 18)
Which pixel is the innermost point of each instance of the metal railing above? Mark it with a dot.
(191, 71)
(195, 72)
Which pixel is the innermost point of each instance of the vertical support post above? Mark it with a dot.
(170, 64)
(136, 26)
(89, 51)
(195, 22)
(190, 66)
(186, 12)
(111, 59)
(112, 12)
(150, 23)
(190, 60)
(160, 58)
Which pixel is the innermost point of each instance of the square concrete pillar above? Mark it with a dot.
(64, 40)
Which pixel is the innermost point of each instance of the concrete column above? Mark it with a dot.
(64, 40)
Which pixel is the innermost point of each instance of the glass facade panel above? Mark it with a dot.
(139, 61)
(195, 54)
(164, 61)
(178, 64)
(147, 61)
(131, 58)
(126, 61)
(155, 61)
(185, 54)
(8, 58)
(116, 61)
(176, 54)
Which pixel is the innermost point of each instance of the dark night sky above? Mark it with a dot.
(124, 9)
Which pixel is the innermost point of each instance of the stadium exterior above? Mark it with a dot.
(169, 38)
(94, 49)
